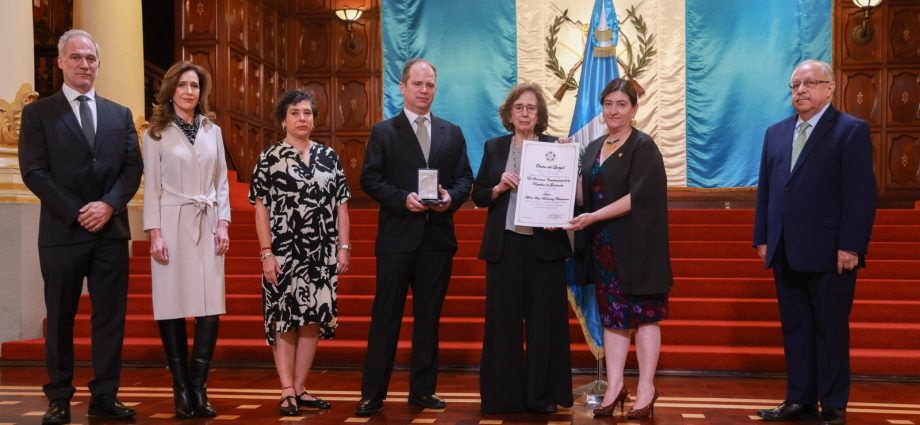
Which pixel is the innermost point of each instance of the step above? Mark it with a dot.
(462, 266)
(250, 249)
(351, 353)
(703, 267)
(763, 287)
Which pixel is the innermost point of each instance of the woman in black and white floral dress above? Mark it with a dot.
(299, 191)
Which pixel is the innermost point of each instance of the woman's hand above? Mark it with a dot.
(222, 238)
(342, 260)
(508, 181)
(580, 222)
(158, 247)
(271, 269)
(564, 140)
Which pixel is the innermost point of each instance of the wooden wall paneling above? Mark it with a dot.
(236, 16)
(360, 60)
(903, 161)
(254, 28)
(312, 47)
(199, 20)
(253, 94)
(320, 89)
(904, 35)
(860, 95)
(282, 42)
(269, 137)
(253, 145)
(352, 104)
(351, 153)
(236, 78)
(269, 94)
(853, 52)
(310, 5)
(269, 31)
(904, 97)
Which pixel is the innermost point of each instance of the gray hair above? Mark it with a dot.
(824, 67)
(62, 42)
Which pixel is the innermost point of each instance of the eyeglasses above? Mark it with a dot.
(520, 108)
(809, 84)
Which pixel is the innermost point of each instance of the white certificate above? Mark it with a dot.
(546, 194)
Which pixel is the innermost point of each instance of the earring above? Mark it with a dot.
(283, 128)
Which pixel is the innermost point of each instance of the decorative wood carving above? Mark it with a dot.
(282, 44)
(860, 95)
(254, 90)
(200, 19)
(352, 104)
(320, 90)
(309, 5)
(270, 82)
(904, 161)
(269, 29)
(904, 36)
(236, 78)
(904, 97)
(312, 48)
(351, 154)
(254, 28)
(854, 52)
(236, 18)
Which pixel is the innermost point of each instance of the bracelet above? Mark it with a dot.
(345, 246)
(264, 248)
(265, 255)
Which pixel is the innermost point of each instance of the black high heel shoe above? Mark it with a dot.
(316, 403)
(288, 406)
(609, 409)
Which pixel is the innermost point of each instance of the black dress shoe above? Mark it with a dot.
(833, 416)
(548, 409)
(58, 412)
(316, 403)
(368, 406)
(789, 412)
(109, 407)
(431, 401)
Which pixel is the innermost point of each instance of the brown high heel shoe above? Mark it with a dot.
(609, 409)
(645, 412)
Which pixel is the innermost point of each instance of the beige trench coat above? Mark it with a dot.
(185, 194)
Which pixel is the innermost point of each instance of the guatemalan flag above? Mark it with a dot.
(714, 73)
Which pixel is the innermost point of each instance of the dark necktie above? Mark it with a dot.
(86, 118)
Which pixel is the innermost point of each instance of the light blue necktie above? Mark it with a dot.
(798, 144)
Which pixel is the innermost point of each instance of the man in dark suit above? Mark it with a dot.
(415, 240)
(79, 155)
(815, 207)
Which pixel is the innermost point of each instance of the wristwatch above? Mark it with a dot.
(345, 246)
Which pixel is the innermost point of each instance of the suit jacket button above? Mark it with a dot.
(786, 188)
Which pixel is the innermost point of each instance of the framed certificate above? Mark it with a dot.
(546, 194)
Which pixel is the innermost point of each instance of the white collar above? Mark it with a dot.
(71, 94)
(413, 116)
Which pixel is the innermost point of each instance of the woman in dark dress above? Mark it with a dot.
(525, 276)
(299, 191)
(624, 194)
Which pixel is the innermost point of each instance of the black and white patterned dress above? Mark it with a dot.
(302, 201)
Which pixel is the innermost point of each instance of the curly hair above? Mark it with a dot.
(293, 97)
(163, 110)
(504, 111)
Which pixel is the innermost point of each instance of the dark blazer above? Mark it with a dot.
(826, 203)
(640, 238)
(548, 245)
(390, 173)
(60, 168)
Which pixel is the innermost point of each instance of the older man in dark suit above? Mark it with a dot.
(79, 155)
(815, 207)
(415, 240)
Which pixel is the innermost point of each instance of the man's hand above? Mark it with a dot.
(414, 203)
(846, 260)
(445, 200)
(762, 252)
(94, 215)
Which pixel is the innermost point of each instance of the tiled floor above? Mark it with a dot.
(250, 396)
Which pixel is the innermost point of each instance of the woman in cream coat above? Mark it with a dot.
(186, 212)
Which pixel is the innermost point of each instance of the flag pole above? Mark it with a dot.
(592, 393)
